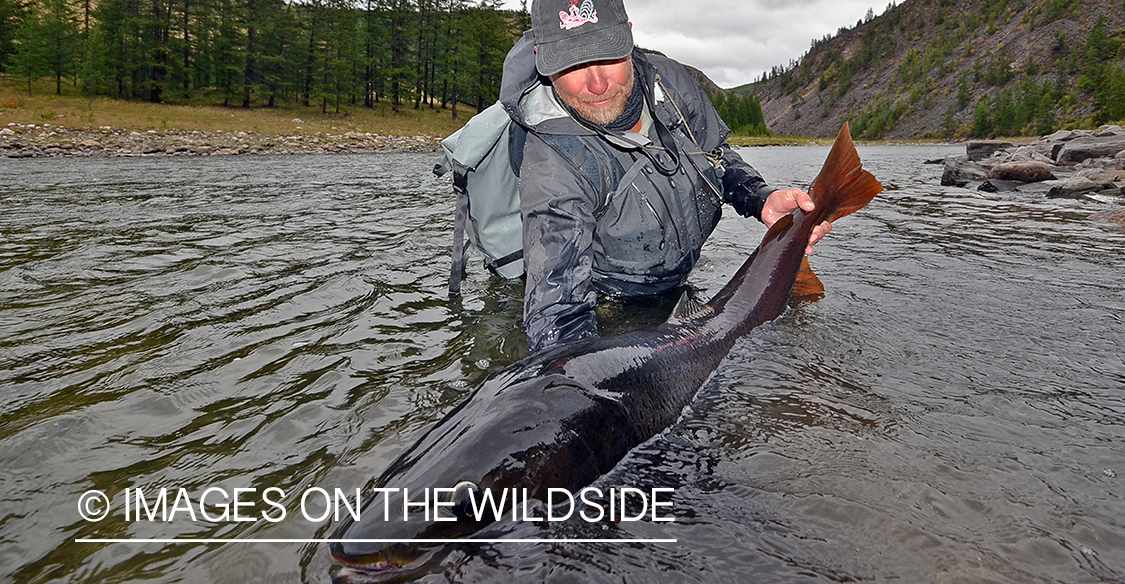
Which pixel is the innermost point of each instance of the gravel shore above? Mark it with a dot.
(47, 141)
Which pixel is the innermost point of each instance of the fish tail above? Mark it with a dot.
(843, 187)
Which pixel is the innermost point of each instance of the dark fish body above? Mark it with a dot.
(563, 417)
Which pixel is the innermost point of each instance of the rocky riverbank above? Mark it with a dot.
(46, 141)
(1073, 164)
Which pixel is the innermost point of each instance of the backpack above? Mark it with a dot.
(485, 156)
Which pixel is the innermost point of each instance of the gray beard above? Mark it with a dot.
(602, 116)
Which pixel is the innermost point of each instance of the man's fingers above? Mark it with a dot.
(804, 201)
(818, 233)
(821, 230)
(782, 203)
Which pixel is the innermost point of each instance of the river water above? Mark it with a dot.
(953, 410)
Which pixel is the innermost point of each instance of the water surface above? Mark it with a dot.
(951, 411)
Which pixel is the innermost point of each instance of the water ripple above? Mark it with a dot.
(947, 412)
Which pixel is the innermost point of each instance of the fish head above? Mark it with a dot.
(468, 453)
(519, 436)
(396, 541)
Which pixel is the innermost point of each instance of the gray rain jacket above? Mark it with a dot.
(601, 216)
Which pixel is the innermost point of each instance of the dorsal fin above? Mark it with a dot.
(686, 309)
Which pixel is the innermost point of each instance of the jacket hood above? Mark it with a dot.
(528, 97)
(530, 100)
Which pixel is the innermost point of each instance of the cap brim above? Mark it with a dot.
(605, 44)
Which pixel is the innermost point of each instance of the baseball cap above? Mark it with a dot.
(571, 32)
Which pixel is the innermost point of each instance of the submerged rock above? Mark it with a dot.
(1114, 216)
(995, 185)
(1038, 188)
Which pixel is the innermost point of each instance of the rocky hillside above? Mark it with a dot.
(956, 68)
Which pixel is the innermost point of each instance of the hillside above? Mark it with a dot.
(945, 68)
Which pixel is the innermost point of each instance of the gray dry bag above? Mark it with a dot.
(484, 157)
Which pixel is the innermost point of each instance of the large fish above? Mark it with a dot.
(563, 417)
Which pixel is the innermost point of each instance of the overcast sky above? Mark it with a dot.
(735, 41)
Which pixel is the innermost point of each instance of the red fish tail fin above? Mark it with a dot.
(843, 187)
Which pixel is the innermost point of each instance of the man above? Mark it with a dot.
(624, 169)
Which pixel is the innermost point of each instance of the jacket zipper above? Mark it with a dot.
(648, 203)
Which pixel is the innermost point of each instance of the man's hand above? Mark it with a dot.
(784, 202)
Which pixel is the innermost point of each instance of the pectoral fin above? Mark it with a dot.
(686, 309)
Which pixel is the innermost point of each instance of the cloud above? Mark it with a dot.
(735, 42)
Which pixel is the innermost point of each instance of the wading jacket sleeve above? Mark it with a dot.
(558, 205)
(601, 217)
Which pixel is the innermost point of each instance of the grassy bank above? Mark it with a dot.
(80, 112)
(77, 111)
(750, 141)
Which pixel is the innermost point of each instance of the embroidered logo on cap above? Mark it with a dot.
(578, 15)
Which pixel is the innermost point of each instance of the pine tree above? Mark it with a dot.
(29, 59)
(400, 74)
(455, 76)
(62, 40)
(12, 13)
(255, 52)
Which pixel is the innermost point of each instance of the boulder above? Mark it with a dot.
(1056, 147)
(1060, 136)
(1107, 131)
(1103, 176)
(978, 150)
(960, 171)
(1095, 164)
(1022, 171)
(1074, 188)
(1038, 151)
(1094, 180)
(1080, 149)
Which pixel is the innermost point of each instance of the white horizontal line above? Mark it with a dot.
(467, 540)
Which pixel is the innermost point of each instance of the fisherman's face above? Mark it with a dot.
(597, 91)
